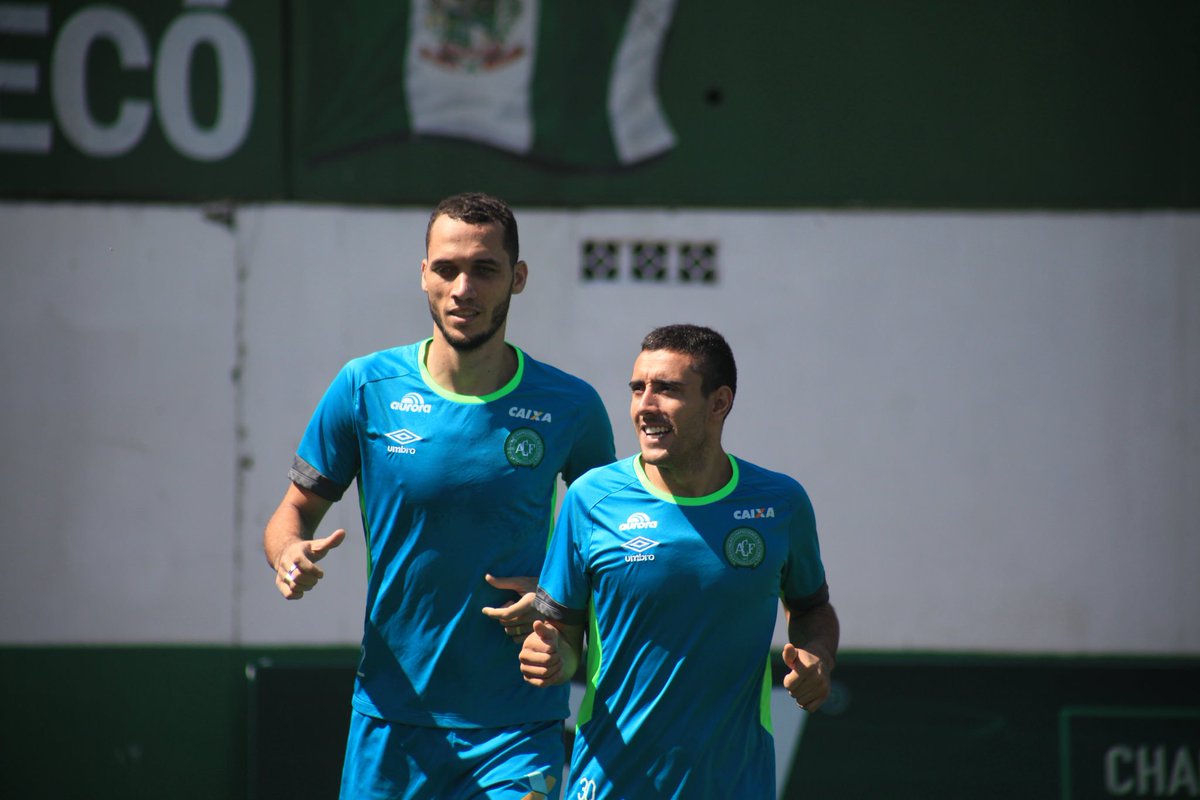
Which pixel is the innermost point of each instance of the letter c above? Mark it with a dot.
(1112, 781)
(69, 82)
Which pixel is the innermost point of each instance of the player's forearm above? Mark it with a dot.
(816, 630)
(296, 519)
(284, 527)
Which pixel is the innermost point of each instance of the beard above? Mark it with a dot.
(465, 344)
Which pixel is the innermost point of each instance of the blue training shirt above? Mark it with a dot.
(680, 597)
(450, 487)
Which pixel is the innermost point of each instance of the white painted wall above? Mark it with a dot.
(996, 414)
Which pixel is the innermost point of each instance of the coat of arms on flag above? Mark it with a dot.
(572, 84)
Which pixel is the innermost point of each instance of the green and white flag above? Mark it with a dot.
(564, 83)
(469, 69)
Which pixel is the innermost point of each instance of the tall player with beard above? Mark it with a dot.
(456, 443)
(674, 562)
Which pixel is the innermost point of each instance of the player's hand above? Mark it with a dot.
(517, 615)
(296, 571)
(808, 683)
(541, 662)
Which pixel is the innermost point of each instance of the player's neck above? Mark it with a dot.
(698, 478)
(475, 372)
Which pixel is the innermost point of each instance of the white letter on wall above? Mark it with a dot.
(172, 86)
(69, 68)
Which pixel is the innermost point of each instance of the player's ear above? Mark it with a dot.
(720, 402)
(520, 275)
(424, 266)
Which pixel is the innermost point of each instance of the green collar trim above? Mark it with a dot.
(719, 494)
(470, 398)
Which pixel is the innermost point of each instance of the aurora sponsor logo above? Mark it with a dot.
(638, 521)
(402, 438)
(755, 513)
(639, 545)
(412, 402)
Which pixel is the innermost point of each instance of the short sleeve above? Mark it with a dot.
(593, 446)
(328, 459)
(804, 584)
(564, 586)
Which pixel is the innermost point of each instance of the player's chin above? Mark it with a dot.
(653, 454)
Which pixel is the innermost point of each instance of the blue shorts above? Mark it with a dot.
(390, 761)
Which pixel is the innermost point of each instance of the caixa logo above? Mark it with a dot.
(529, 414)
(755, 513)
(74, 67)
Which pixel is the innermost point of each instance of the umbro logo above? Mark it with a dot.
(403, 438)
(411, 402)
(639, 545)
(755, 513)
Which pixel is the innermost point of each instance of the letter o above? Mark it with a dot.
(172, 86)
(69, 81)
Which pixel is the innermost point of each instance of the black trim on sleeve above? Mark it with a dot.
(798, 605)
(306, 477)
(552, 609)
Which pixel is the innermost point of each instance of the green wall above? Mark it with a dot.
(990, 727)
(135, 722)
(188, 722)
(821, 103)
(869, 103)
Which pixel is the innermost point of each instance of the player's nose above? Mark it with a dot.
(646, 401)
(463, 285)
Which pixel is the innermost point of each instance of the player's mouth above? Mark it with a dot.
(656, 431)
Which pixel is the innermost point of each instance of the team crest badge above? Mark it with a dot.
(524, 448)
(744, 547)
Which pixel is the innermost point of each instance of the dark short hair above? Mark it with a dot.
(477, 208)
(710, 353)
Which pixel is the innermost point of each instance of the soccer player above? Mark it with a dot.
(456, 443)
(674, 562)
